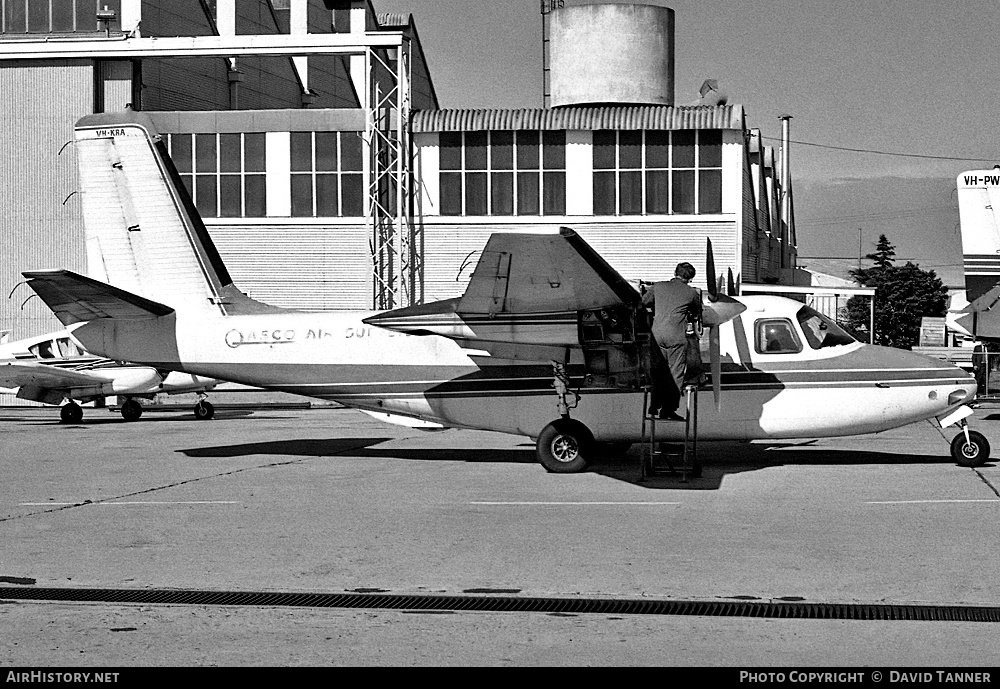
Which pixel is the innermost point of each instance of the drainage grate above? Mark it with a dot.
(506, 603)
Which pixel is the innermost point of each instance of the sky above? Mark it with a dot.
(910, 77)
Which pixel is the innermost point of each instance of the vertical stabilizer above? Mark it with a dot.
(143, 233)
(978, 205)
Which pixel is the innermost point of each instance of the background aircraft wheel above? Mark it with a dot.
(71, 413)
(203, 410)
(973, 453)
(131, 410)
(564, 446)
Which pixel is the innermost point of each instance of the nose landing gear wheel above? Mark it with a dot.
(973, 453)
(131, 410)
(203, 410)
(71, 413)
(564, 446)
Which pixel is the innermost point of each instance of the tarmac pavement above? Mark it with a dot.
(332, 500)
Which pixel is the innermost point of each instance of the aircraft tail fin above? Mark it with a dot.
(979, 212)
(143, 232)
(75, 298)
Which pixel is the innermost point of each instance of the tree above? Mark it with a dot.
(903, 295)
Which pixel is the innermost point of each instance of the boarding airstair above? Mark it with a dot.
(656, 459)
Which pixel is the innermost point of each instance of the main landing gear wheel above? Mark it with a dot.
(131, 410)
(564, 446)
(71, 413)
(973, 453)
(204, 410)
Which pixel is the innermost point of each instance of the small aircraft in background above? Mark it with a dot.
(52, 368)
(548, 340)
(979, 217)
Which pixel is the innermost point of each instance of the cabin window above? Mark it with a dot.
(43, 350)
(821, 331)
(68, 348)
(224, 173)
(657, 172)
(503, 173)
(776, 336)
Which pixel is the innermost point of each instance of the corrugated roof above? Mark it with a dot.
(387, 19)
(582, 118)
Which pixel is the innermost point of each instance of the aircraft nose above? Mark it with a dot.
(965, 388)
(956, 385)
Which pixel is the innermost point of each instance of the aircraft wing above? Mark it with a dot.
(525, 291)
(23, 374)
(75, 298)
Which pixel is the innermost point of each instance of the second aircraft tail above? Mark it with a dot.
(979, 210)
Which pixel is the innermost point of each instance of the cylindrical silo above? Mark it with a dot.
(611, 53)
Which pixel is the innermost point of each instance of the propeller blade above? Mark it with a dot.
(716, 366)
(710, 279)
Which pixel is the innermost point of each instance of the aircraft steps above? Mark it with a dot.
(655, 454)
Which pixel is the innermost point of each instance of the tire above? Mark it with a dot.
(973, 453)
(564, 447)
(71, 413)
(203, 411)
(131, 410)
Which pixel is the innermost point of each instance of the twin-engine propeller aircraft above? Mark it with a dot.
(52, 368)
(548, 341)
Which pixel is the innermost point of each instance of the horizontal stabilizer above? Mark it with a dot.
(984, 302)
(75, 298)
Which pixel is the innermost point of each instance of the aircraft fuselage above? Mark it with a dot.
(847, 390)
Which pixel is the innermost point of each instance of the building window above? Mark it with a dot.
(503, 173)
(657, 172)
(56, 16)
(327, 174)
(224, 173)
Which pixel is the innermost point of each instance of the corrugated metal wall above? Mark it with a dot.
(269, 82)
(316, 267)
(638, 250)
(114, 85)
(37, 229)
(329, 75)
(750, 229)
(185, 84)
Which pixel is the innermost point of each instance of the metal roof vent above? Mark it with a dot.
(711, 94)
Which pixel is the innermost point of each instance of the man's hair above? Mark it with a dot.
(685, 271)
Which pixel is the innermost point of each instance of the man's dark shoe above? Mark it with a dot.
(653, 411)
(671, 416)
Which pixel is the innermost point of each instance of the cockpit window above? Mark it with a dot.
(820, 330)
(776, 336)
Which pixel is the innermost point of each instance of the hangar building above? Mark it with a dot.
(311, 138)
